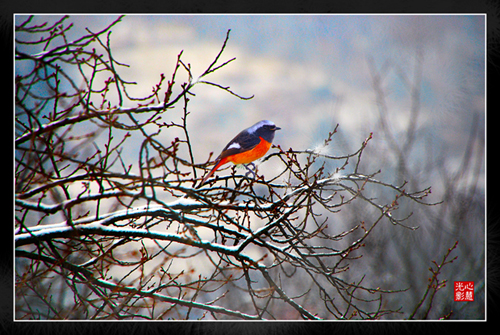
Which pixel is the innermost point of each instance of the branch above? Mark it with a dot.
(122, 288)
(434, 283)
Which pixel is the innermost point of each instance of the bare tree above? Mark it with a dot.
(461, 214)
(99, 237)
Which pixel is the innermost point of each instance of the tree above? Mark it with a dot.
(99, 237)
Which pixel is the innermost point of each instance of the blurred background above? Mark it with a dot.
(417, 82)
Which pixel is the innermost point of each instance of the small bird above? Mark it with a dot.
(248, 146)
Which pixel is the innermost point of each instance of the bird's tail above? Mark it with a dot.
(217, 165)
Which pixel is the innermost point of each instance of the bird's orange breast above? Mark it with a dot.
(249, 156)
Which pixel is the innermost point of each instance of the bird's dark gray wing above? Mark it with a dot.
(242, 142)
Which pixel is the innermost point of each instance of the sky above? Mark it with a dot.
(309, 72)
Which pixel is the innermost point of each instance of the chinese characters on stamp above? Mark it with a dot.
(463, 291)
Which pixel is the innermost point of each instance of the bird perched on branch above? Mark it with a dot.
(248, 146)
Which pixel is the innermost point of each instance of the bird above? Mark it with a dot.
(249, 145)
